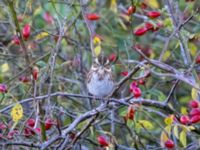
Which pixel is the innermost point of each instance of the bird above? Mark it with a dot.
(100, 82)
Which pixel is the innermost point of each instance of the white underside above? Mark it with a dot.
(100, 88)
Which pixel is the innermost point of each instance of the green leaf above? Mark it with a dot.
(175, 131)
(183, 138)
(145, 124)
(194, 93)
(41, 64)
(123, 111)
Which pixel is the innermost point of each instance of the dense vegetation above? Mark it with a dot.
(47, 48)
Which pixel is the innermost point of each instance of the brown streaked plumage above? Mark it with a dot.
(99, 79)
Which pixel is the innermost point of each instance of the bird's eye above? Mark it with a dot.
(95, 65)
(107, 67)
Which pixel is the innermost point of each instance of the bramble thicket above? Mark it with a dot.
(47, 48)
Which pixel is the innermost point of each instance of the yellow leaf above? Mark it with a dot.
(97, 50)
(193, 48)
(166, 55)
(4, 68)
(37, 11)
(125, 17)
(113, 6)
(184, 110)
(169, 120)
(191, 127)
(163, 138)
(145, 124)
(122, 24)
(175, 131)
(152, 3)
(167, 22)
(194, 93)
(41, 35)
(168, 129)
(183, 138)
(17, 112)
(96, 40)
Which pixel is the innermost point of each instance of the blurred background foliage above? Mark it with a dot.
(74, 58)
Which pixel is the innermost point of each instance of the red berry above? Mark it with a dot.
(48, 17)
(195, 119)
(24, 79)
(37, 130)
(3, 88)
(131, 10)
(198, 60)
(143, 5)
(48, 123)
(133, 85)
(130, 113)
(93, 17)
(141, 81)
(28, 132)
(140, 31)
(35, 73)
(72, 135)
(157, 27)
(195, 112)
(189, 0)
(169, 144)
(184, 119)
(112, 57)
(16, 40)
(149, 26)
(26, 31)
(136, 92)
(124, 73)
(20, 18)
(194, 104)
(153, 14)
(102, 141)
(2, 126)
(12, 133)
(30, 122)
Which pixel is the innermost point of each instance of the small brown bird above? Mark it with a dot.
(100, 81)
